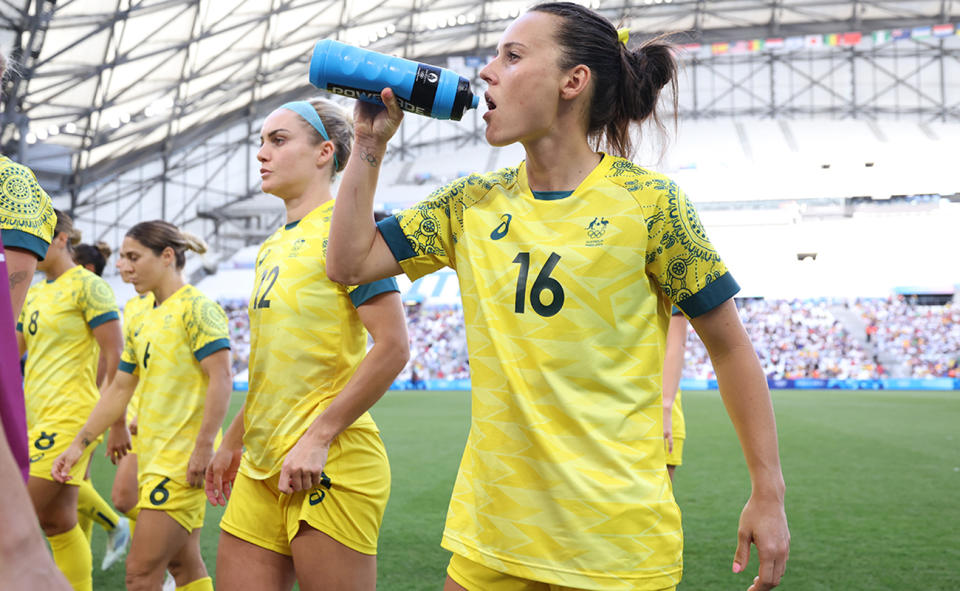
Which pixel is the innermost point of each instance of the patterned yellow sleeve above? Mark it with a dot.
(27, 219)
(97, 301)
(423, 238)
(128, 359)
(207, 328)
(679, 254)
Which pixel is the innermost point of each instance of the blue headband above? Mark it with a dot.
(309, 114)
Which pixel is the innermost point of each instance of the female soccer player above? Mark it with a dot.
(180, 350)
(568, 264)
(68, 322)
(314, 479)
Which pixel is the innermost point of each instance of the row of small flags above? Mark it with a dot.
(817, 41)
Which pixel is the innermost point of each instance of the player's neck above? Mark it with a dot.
(558, 165)
(168, 286)
(58, 267)
(313, 197)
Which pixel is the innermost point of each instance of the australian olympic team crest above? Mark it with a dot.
(595, 231)
(298, 245)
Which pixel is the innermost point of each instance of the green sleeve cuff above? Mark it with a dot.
(712, 295)
(395, 238)
(363, 293)
(105, 317)
(211, 348)
(23, 240)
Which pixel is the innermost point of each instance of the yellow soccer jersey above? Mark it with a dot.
(134, 308)
(57, 323)
(306, 340)
(164, 347)
(27, 218)
(566, 303)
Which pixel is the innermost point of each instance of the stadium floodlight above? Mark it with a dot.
(41, 134)
(70, 127)
(31, 138)
(53, 130)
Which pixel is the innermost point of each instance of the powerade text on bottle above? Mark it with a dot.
(361, 74)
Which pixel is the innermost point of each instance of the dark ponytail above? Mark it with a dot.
(626, 83)
(95, 255)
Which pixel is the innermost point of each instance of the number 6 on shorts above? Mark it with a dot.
(159, 495)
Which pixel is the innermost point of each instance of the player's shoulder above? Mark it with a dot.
(95, 288)
(202, 307)
(475, 186)
(642, 183)
(10, 168)
(18, 180)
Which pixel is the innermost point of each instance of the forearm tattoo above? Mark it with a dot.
(86, 438)
(370, 159)
(17, 278)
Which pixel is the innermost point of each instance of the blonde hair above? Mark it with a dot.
(339, 126)
(158, 235)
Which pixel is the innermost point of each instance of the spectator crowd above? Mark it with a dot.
(793, 339)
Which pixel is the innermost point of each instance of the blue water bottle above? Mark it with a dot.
(361, 74)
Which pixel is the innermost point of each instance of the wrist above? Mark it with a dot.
(319, 435)
(769, 489)
(204, 441)
(370, 145)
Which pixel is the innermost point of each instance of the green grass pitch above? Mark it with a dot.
(872, 490)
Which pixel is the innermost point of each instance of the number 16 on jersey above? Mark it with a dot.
(543, 282)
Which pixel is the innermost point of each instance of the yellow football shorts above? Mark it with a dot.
(47, 442)
(184, 504)
(675, 457)
(348, 504)
(474, 576)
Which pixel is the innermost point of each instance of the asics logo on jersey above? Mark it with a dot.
(501, 230)
(264, 257)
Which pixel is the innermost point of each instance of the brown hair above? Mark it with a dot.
(626, 83)
(158, 235)
(93, 254)
(339, 126)
(65, 224)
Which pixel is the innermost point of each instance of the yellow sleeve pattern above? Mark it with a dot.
(97, 301)
(207, 327)
(679, 254)
(424, 238)
(27, 219)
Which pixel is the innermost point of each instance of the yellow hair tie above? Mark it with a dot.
(623, 35)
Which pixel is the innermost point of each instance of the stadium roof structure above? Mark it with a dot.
(106, 86)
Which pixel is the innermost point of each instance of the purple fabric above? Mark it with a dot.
(13, 412)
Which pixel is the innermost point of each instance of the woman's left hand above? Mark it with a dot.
(763, 523)
(303, 466)
(199, 460)
(118, 443)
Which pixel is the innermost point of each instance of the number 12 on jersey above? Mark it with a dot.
(261, 301)
(543, 282)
